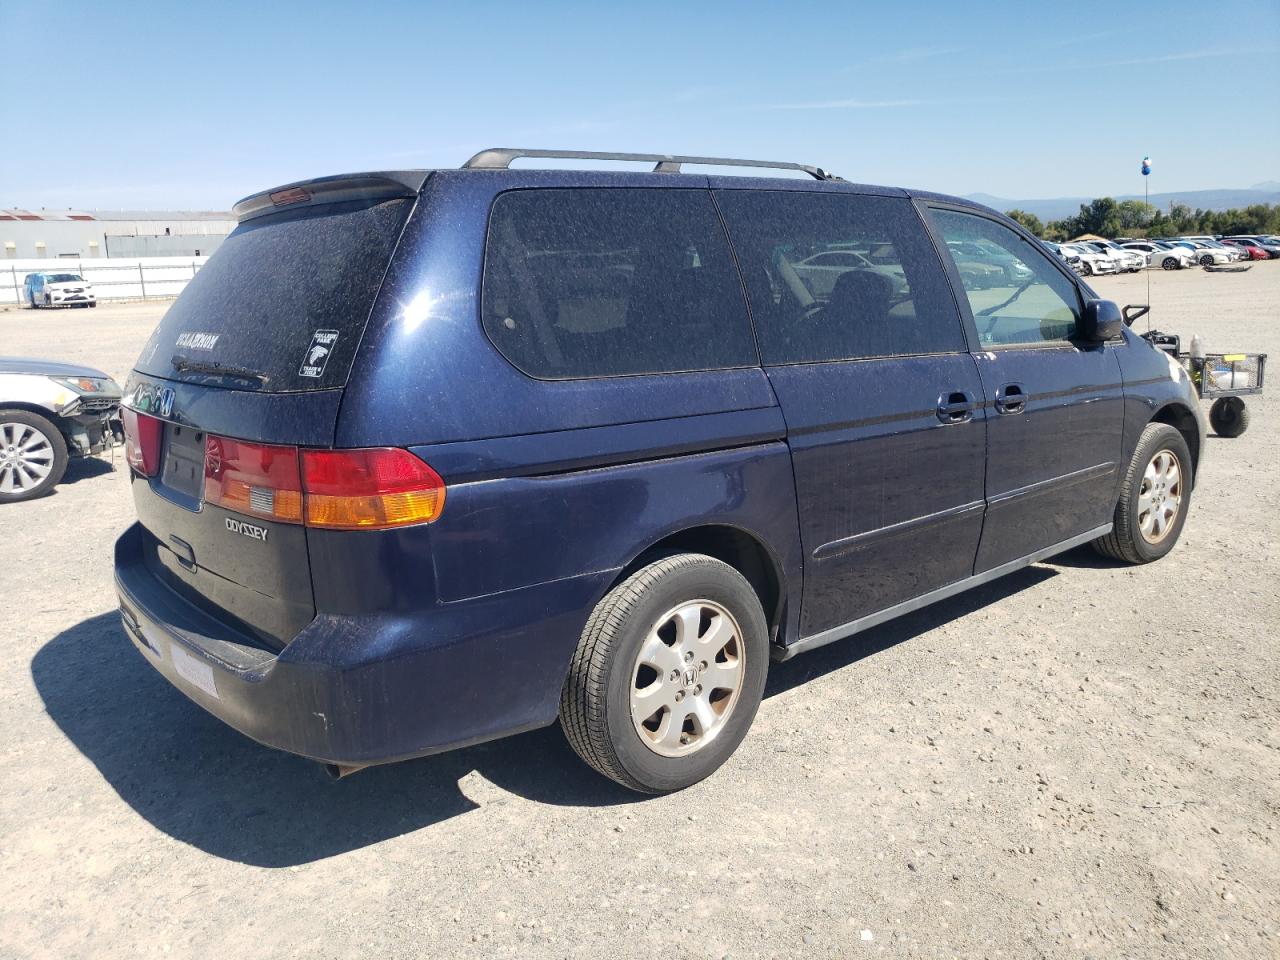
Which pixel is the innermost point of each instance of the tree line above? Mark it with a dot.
(1133, 218)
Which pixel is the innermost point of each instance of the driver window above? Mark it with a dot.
(1017, 295)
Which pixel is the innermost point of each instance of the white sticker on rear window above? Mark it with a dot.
(197, 341)
(317, 357)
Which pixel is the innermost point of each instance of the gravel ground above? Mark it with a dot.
(1079, 760)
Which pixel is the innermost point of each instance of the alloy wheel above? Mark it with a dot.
(1160, 497)
(26, 457)
(687, 677)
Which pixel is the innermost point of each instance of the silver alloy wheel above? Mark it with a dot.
(1160, 497)
(26, 457)
(687, 677)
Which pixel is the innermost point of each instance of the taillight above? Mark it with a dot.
(337, 489)
(141, 441)
(368, 489)
(253, 478)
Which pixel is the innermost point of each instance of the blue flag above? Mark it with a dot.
(1146, 166)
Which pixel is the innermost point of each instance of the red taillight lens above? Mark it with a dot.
(253, 478)
(142, 441)
(369, 489)
(283, 198)
(338, 489)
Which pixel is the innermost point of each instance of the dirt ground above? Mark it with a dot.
(1082, 759)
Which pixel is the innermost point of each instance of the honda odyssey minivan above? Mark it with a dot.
(426, 458)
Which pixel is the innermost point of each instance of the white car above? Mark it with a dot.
(1091, 261)
(1206, 253)
(59, 290)
(1127, 261)
(50, 412)
(1163, 255)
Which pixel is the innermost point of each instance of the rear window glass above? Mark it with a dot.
(607, 282)
(283, 302)
(840, 276)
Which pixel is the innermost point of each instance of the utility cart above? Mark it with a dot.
(1226, 379)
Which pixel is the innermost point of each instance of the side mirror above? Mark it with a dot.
(1135, 311)
(1101, 321)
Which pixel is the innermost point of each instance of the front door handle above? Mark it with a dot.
(1011, 398)
(955, 406)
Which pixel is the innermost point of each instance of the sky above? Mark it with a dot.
(192, 106)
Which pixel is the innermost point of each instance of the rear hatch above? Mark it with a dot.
(247, 366)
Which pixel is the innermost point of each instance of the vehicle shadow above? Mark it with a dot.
(85, 468)
(203, 783)
(844, 653)
(1084, 558)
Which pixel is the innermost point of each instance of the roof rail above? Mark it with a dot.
(499, 158)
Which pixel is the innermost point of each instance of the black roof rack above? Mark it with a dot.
(499, 158)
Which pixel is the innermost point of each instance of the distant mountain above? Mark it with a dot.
(1056, 208)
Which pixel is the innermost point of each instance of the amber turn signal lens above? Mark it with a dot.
(369, 489)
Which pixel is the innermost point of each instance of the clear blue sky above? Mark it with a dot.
(194, 105)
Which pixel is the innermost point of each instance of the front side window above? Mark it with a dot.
(597, 282)
(839, 276)
(1015, 292)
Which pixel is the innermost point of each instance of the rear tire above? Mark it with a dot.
(33, 455)
(655, 728)
(1229, 417)
(1154, 499)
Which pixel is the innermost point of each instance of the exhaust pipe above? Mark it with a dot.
(337, 771)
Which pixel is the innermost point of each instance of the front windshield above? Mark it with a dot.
(62, 278)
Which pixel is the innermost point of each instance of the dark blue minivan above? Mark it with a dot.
(425, 458)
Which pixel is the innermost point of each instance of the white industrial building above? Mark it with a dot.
(84, 234)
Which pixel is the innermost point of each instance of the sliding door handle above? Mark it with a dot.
(1011, 398)
(955, 406)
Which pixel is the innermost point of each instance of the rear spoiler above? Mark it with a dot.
(340, 189)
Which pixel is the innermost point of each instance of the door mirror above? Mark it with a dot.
(1101, 320)
(1134, 311)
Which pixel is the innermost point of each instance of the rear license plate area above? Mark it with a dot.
(182, 471)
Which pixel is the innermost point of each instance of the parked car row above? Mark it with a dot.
(1090, 257)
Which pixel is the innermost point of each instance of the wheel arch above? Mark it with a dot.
(37, 409)
(741, 549)
(1183, 419)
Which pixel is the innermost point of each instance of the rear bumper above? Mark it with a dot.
(364, 690)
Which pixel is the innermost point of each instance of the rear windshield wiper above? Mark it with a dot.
(189, 365)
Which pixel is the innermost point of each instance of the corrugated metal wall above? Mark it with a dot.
(115, 238)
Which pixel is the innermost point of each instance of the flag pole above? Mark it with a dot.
(1146, 203)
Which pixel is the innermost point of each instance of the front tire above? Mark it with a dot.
(1171, 263)
(668, 674)
(1229, 417)
(1206, 260)
(1154, 498)
(33, 455)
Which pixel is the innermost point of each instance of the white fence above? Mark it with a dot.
(114, 278)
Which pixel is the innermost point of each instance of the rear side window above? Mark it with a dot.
(607, 282)
(283, 302)
(840, 276)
